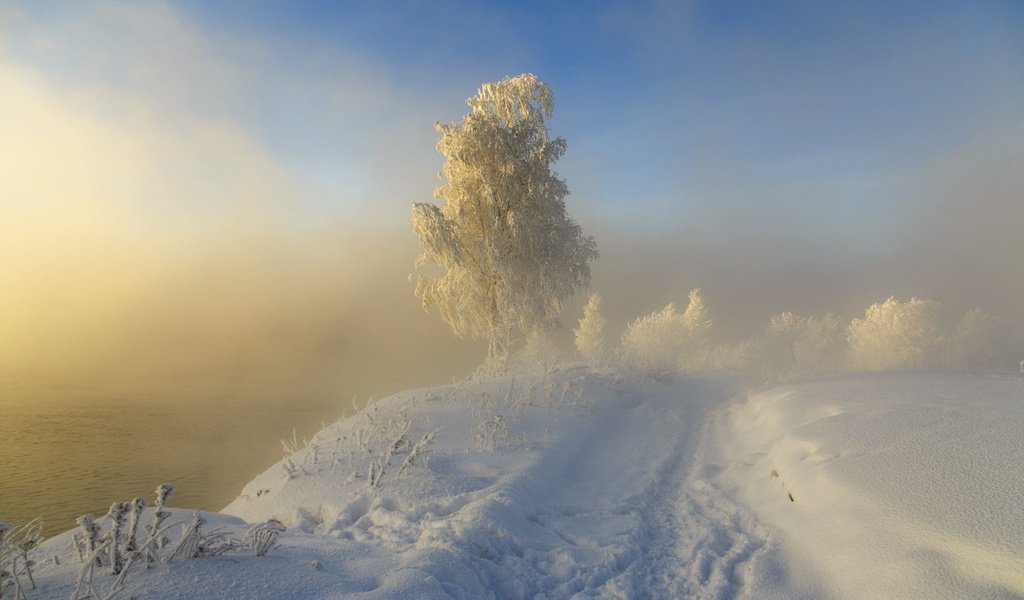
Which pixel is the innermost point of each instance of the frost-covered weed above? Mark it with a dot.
(163, 492)
(417, 451)
(291, 446)
(188, 545)
(120, 545)
(89, 537)
(15, 545)
(263, 537)
(291, 469)
(118, 511)
(131, 543)
(378, 469)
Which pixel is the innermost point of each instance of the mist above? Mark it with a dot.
(162, 256)
(209, 214)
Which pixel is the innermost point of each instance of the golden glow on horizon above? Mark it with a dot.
(141, 246)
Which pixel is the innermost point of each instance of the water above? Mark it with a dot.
(64, 453)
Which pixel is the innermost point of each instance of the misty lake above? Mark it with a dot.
(64, 453)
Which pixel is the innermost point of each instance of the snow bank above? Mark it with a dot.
(902, 485)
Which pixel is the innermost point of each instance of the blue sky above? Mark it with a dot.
(662, 101)
(653, 97)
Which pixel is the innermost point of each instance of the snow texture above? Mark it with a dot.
(584, 484)
(897, 485)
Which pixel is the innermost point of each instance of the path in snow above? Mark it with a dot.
(620, 509)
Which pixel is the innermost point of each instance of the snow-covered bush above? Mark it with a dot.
(501, 253)
(666, 341)
(895, 335)
(590, 333)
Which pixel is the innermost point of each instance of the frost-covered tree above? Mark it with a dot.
(500, 254)
(895, 335)
(590, 333)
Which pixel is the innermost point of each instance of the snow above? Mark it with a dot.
(586, 484)
(903, 484)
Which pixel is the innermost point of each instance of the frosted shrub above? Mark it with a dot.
(895, 335)
(590, 333)
(501, 253)
(665, 341)
(652, 343)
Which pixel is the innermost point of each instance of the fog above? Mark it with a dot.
(210, 213)
(950, 232)
(160, 255)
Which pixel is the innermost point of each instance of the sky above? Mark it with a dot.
(190, 189)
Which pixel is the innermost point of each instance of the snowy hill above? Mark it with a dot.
(584, 484)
